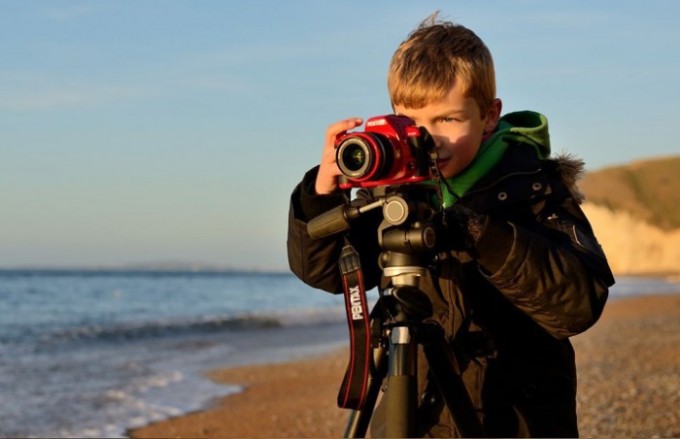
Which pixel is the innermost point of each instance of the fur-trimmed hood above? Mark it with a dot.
(514, 163)
(570, 169)
(531, 128)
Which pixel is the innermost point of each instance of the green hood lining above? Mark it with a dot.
(525, 127)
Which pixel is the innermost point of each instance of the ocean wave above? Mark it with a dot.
(138, 330)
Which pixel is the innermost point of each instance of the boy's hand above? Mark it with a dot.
(327, 178)
(462, 227)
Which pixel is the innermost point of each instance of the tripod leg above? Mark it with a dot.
(357, 425)
(401, 396)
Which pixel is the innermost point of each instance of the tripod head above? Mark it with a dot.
(405, 208)
(407, 237)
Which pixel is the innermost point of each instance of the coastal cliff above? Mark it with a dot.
(634, 246)
(635, 212)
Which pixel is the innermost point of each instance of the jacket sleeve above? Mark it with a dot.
(316, 261)
(553, 270)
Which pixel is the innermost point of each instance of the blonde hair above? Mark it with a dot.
(435, 55)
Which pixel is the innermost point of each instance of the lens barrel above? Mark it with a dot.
(365, 156)
(355, 157)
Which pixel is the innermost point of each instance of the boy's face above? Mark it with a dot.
(457, 127)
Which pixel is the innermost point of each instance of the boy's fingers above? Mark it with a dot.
(340, 127)
(326, 180)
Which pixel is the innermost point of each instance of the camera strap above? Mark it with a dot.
(354, 386)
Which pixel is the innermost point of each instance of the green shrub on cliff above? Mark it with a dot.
(649, 190)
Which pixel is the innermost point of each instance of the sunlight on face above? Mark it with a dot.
(456, 126)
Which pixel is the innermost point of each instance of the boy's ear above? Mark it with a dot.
(493, 115)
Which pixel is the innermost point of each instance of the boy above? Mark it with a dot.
(520, 270)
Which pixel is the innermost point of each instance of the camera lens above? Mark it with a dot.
(354, 157)
(365, 156)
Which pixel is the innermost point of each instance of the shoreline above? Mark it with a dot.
(628, 367)
(286, 399)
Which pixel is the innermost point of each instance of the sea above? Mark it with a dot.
(97, 353)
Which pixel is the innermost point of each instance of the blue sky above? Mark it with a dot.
(143, 131)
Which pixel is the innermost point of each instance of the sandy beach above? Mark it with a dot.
(629, 385)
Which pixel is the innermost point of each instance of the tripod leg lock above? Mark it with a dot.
(400, 335)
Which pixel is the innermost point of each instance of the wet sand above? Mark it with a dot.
(629, 385)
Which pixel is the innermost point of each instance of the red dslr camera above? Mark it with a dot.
(392, 150)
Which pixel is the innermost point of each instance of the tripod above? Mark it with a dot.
(407, 238)
(398, 365)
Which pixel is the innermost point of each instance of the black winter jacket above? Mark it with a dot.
(538, 277)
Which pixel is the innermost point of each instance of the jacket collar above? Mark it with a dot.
(521, 176)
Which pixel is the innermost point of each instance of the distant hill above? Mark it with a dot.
(635, 212)
(649, 190)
